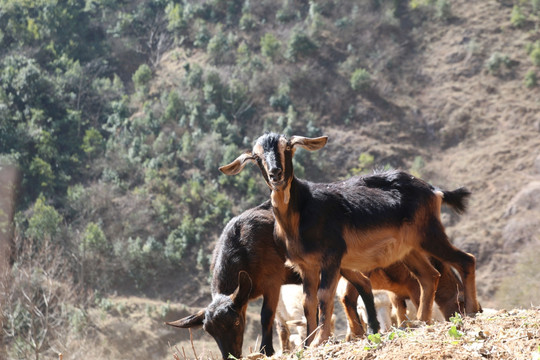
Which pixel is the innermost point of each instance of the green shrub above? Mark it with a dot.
(45, 221)
(93, 143)
(175, 19)
(142, 77)
(535, 55)
(531, 79)
(42, 171)
(496, 61)
(194, 76)
(360, 80)
(217, 48)
(443, 9)
(417, 166)
(300, 46)
(243, 54)
(281, 99)
(270, 46)
(247, 22)
(94, 241)
(365, 164)
(517, 18)
(287, 13)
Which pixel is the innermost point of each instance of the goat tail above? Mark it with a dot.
(457, 199)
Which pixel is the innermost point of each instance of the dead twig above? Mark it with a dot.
(192, 345)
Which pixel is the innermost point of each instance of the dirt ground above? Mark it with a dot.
(495, 334)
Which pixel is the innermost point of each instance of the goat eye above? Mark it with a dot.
(288, 148)
(237, 322)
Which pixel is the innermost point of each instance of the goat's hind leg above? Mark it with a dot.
(428, 277)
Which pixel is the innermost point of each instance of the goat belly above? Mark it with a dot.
(369, 250)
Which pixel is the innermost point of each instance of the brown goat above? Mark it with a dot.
(402, 284)
(358, 224)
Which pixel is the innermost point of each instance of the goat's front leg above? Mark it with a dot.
(268, 312)
(310, 282)
(362, 286)
(326, 293)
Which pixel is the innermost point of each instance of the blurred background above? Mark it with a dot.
(115, 116)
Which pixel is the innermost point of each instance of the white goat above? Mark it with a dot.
(291, 324)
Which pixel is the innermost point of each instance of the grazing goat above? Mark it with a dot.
(247, 263)
(361, 223)
(404, 286)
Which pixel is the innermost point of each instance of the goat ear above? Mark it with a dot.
(237, 165)
(240, 296)
(190, 321)
(310, 144)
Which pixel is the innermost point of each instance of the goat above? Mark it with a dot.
(403, 286)
(358, 224)
(246, 264)
(290, 316)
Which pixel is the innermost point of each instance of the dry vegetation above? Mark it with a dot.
(502, 334)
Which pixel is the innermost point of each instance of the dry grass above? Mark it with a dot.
(500, 334)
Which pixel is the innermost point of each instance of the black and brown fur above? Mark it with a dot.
(361, 224)
(248, 263)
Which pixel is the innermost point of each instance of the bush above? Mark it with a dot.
(270, 46)
(535, 55)
(365, 163)
(247, 22)
(36, 296)
(360, 80)
(93, 143)
(443, 10)
(281, 99)
(496, 61)
(531, 79)
(141, 78)
(517, 18)
(45, 221)
(300, 46)
(218, 48)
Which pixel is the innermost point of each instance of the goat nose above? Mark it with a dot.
(275, 173)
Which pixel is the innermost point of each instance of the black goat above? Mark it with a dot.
(359, 224)
(247, 263)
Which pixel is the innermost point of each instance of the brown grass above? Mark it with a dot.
(502, 334)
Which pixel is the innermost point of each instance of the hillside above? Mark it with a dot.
(118, 115)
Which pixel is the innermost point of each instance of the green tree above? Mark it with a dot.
(141, 78)
(270, 46)
(45, 221)
(300, 46)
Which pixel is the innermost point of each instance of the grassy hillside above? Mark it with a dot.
(119, 114)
